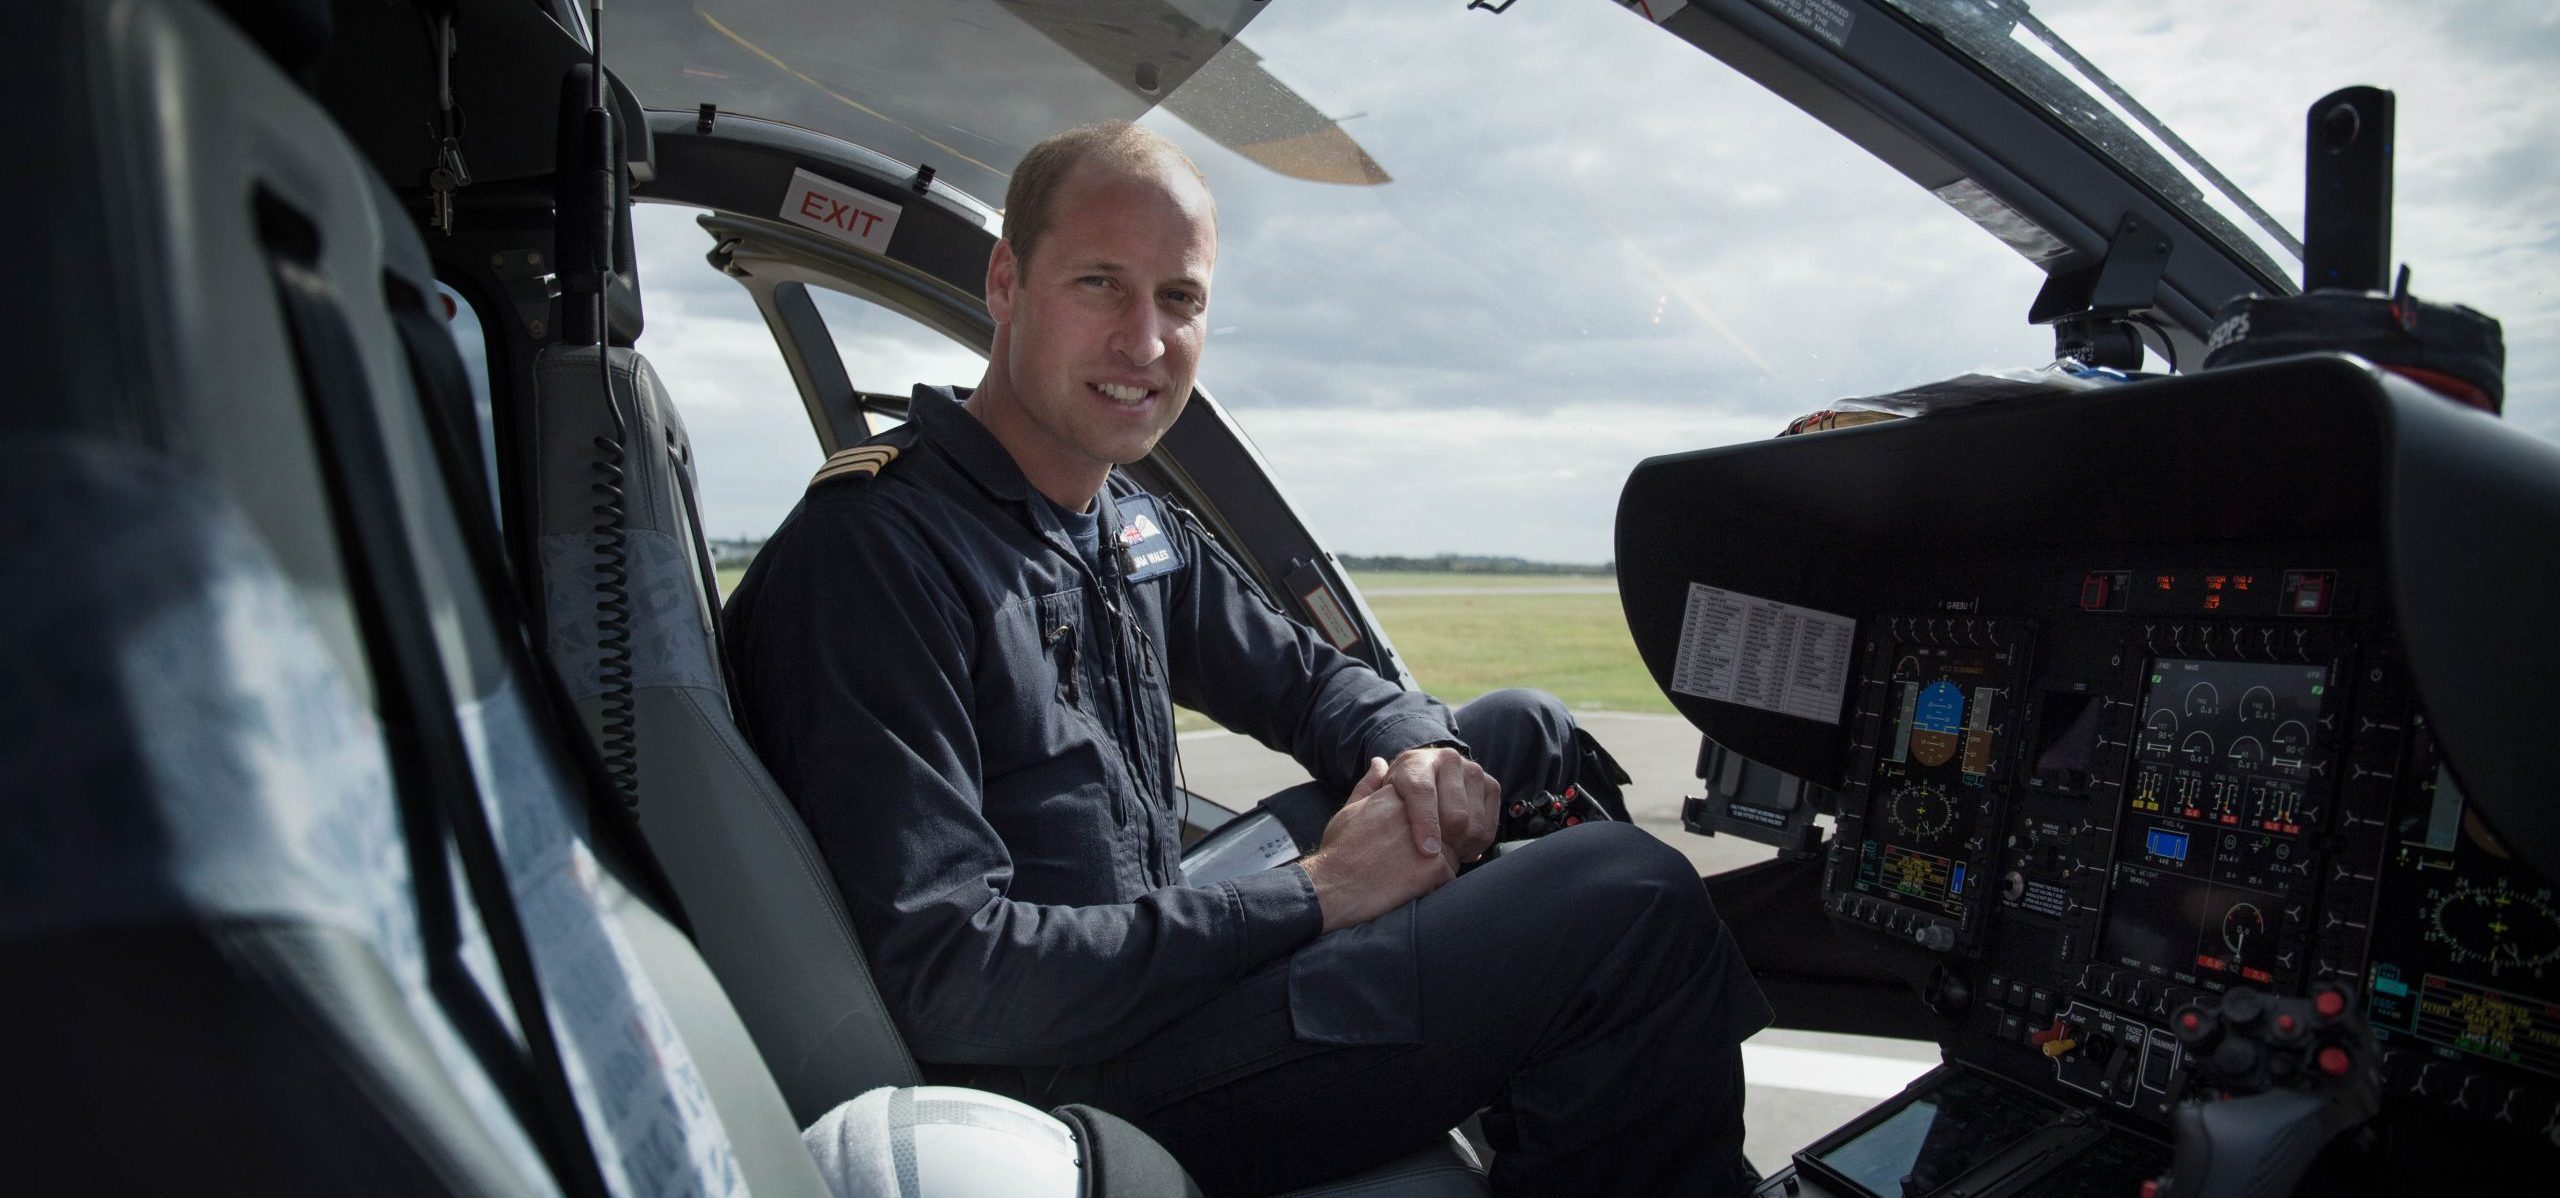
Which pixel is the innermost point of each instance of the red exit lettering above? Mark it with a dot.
(843, 216)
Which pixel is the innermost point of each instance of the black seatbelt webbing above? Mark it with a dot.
(429, 758)
(435, 370)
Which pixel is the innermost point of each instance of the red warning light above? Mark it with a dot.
(2165, 582)
(2213, 603)
(2242, 582)
(2307, 592)
(2214, 582)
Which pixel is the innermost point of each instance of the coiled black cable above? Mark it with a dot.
(617, 737)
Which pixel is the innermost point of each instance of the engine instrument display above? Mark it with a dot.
(2214, 857)
(1947, 712)
(2467, 940)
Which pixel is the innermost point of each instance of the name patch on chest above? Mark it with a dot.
(1146, 549)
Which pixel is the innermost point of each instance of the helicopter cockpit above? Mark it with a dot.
(2172, 749)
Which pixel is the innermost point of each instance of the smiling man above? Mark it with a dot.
(960, 655)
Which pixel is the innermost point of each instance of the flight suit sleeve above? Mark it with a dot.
(1243, 662)
(855, 669)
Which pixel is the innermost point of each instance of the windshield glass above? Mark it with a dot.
(2474, 178)
(1588, 243)
(1475, 265)
(2008, 40)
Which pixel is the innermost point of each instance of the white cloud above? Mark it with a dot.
(1486, 480)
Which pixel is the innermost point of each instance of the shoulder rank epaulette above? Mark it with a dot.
(863, 460)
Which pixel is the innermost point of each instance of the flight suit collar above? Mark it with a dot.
(977, 452)
(986, 462)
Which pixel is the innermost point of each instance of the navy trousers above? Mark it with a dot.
(1579, 990)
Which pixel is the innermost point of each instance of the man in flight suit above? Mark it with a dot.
(959, 657)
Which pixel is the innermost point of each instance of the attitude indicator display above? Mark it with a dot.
(1948, 712)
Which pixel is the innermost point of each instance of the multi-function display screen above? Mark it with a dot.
(2466, 948)
(1948, 714)
(2213, 861)
(1931, 1140)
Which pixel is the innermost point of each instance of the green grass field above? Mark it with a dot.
(1460, 645)
(1376, 580)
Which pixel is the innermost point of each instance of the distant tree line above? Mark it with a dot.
(1471, 563)
(738, 551)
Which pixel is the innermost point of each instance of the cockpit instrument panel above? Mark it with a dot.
(2214, 858)
(2166, 693)
(1936, 704)
(2466, 944)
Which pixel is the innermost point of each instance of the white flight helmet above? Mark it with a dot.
(943, 1142)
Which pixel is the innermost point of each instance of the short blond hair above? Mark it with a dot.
(1030, 198)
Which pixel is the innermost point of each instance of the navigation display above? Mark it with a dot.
(1948, 709)
(2466, 950)
(2214, 849)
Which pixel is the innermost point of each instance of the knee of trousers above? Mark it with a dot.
(1623, 880)
(1523, 737)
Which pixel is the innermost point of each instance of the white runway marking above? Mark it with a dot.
(1848, 1074)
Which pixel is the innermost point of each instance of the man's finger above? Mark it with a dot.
(1371, 780)
(1422, 806)
(1450, 781)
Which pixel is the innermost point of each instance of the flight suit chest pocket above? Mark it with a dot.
(1059, 623)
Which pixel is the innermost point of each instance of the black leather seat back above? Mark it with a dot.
(763, 906)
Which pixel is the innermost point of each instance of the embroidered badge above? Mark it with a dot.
(1146, 552)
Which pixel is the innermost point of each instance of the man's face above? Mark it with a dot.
(1103, 323)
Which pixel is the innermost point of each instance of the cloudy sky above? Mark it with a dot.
(1601, 244)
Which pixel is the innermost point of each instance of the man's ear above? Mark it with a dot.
(1003, 275)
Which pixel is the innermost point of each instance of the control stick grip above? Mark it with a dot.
(2280, 1079)
(1532, 815)
(2254, 1147)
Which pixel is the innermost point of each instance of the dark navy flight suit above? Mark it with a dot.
(970, 701)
